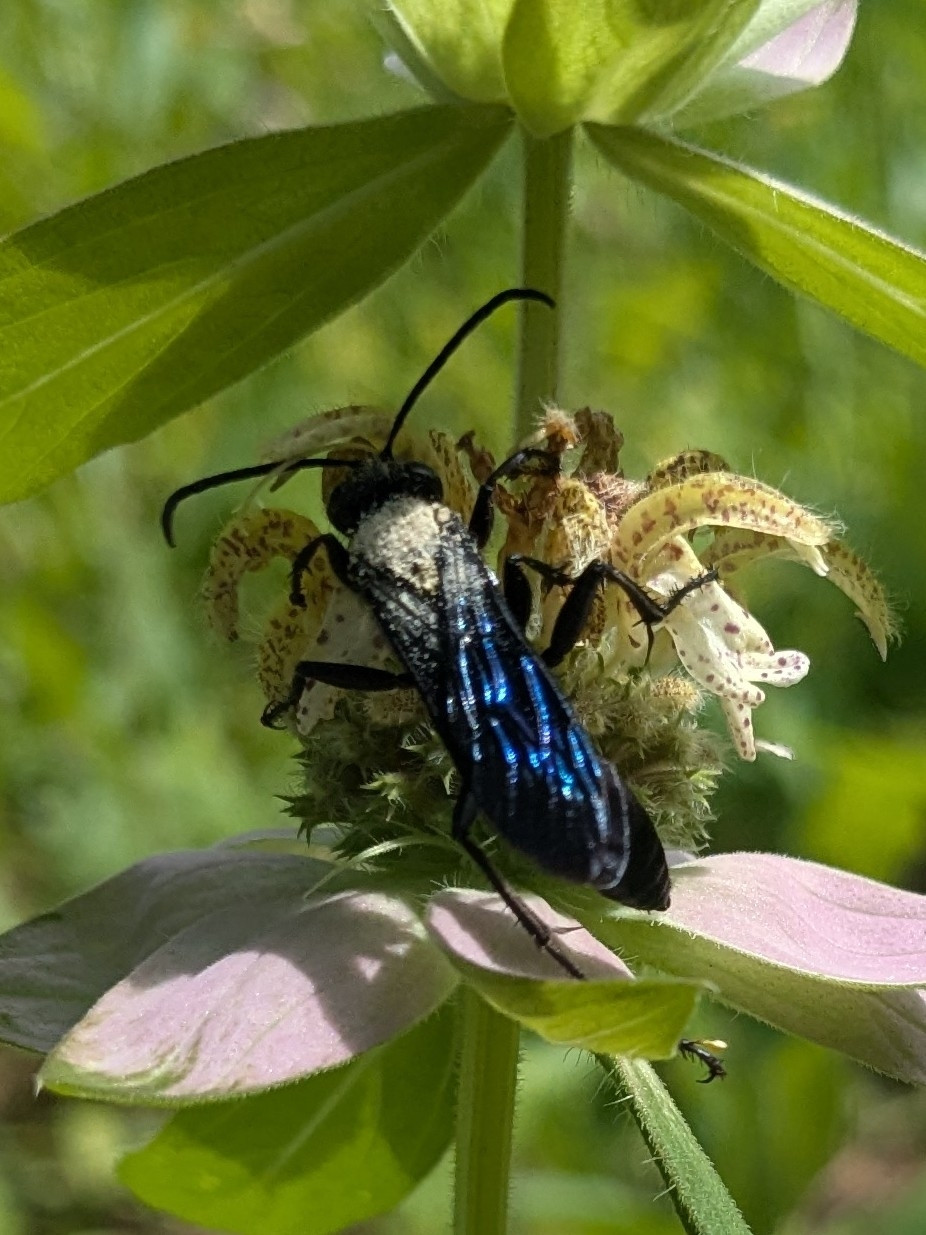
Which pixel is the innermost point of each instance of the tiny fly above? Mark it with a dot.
(524, 760)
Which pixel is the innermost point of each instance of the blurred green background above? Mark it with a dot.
(125, 728)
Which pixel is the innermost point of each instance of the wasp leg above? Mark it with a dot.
(347, 677)
(463, 815)
(573, 617)
(533, 460)
(517, 591)
(694, 1050)
(337, 556)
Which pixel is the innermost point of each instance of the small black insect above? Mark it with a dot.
(524, 760)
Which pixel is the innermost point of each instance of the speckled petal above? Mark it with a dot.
(722, 646)
(733, 548)
(710, 660)
(688, 463)
(318, 434)
(440, 452)
(738, 716)
(712, 499)
(859, 582)
(709, 604)
(349, 634)
(248, 544)
(781, 667)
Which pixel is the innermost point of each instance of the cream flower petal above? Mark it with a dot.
(724, 648)
(710, 604)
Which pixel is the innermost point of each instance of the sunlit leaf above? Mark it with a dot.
(229, 971)
(871, 279)
(242, 1001)
(134, 305)
(310, 1158)
(610, 1012)
(55, 967)
(812, 950)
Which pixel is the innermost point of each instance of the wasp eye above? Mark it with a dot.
(424, 482)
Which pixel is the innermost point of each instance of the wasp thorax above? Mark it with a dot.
(376, 482)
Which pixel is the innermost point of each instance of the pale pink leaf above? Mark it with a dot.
(819, 952)
(803, 55)
(255, 995)
(54, 967)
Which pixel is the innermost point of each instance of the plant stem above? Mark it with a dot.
(485, 1114)
(544, 211)
(702, 1202)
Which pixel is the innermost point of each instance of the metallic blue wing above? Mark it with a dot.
(534, 770)
(528, 764)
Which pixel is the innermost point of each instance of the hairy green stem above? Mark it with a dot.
(485, 1114)
(702, 1202)
(547, 182)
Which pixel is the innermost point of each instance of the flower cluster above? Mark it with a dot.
(238, 969)
(638, 692)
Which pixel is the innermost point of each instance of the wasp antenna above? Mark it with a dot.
(202, 486)
(471, 323)
(205, 483)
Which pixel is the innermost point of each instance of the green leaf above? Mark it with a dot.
(874, 281)
(134, 305)
(496, 956)
(641, 1019)
(703, 1204)
(458, 41)
(613, 60)
(311, 1158)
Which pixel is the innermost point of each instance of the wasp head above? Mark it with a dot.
(376, 482)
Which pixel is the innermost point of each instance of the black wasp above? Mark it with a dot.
(524, 760)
